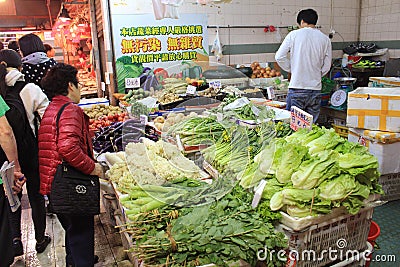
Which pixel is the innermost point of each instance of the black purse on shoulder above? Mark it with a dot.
(74, 192)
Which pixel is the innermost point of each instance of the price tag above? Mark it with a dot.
(191, 90)
(215, 84)
(255, 110)
(259, 189)
(300, 119)
(271, 92)
(179, 142)
(132, 82)
(144, 119)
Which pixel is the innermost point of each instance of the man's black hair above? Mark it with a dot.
(309, 16)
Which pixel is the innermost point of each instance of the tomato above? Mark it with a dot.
(161, 72)
(110, 117)
(91, 121)
(120, 119)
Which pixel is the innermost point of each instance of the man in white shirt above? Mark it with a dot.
(310, 58)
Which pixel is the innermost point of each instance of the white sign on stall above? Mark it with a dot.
(300, 119)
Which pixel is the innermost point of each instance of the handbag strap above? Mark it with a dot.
(57, 129)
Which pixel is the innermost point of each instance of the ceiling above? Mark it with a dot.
(20, 14)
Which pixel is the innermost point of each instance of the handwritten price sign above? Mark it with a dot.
(132, 82)
(300, 119)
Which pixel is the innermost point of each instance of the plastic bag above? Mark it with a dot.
(217, 47)
(159, 9)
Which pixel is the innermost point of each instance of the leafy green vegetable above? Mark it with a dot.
(126, 69)
(314, 171)
(291, 156)
(221, 233)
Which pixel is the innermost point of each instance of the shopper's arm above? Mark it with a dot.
(7, 142)
(281, 55)
(327, 60)
(9, 146)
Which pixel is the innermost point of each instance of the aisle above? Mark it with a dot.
(388, 218)
(108, 244)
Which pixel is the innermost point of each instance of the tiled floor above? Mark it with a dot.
(387, 217)
(108, 244)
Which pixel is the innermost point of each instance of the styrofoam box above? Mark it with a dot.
(87, 103)
(374, 109)
(387, 153)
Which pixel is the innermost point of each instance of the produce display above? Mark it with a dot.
(218, 233)
(100, 110)
(313, 172)
(177, 219)
(158, 162)
(172, 118)
(135, 94)
(102, 116)
(115, 137)
(177, 215)
(138, 109)
(260, 72)
(197, 130)
(243, 109)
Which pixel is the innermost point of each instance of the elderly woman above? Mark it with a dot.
(70, 143)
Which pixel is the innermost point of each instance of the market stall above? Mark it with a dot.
(208, 181)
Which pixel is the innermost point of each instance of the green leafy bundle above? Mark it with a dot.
(312, 172)
(222, 232)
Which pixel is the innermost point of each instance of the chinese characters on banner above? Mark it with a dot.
(300, 119)
(160, 43)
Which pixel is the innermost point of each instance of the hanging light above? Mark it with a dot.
(64, 15)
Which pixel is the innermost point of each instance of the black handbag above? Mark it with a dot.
(74, 192)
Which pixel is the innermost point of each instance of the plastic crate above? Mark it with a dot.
(391, 185)
(360, 259)
(343, 131)
(353, 229)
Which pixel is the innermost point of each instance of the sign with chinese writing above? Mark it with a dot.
(160, 43)
(132, 82)
(300, 119)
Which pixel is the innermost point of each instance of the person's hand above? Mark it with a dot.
(19, 181)
(98, 170)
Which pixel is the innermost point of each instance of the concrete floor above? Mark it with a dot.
(108, 245)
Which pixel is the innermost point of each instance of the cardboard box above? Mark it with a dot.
(374, 109)
(385, 146)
